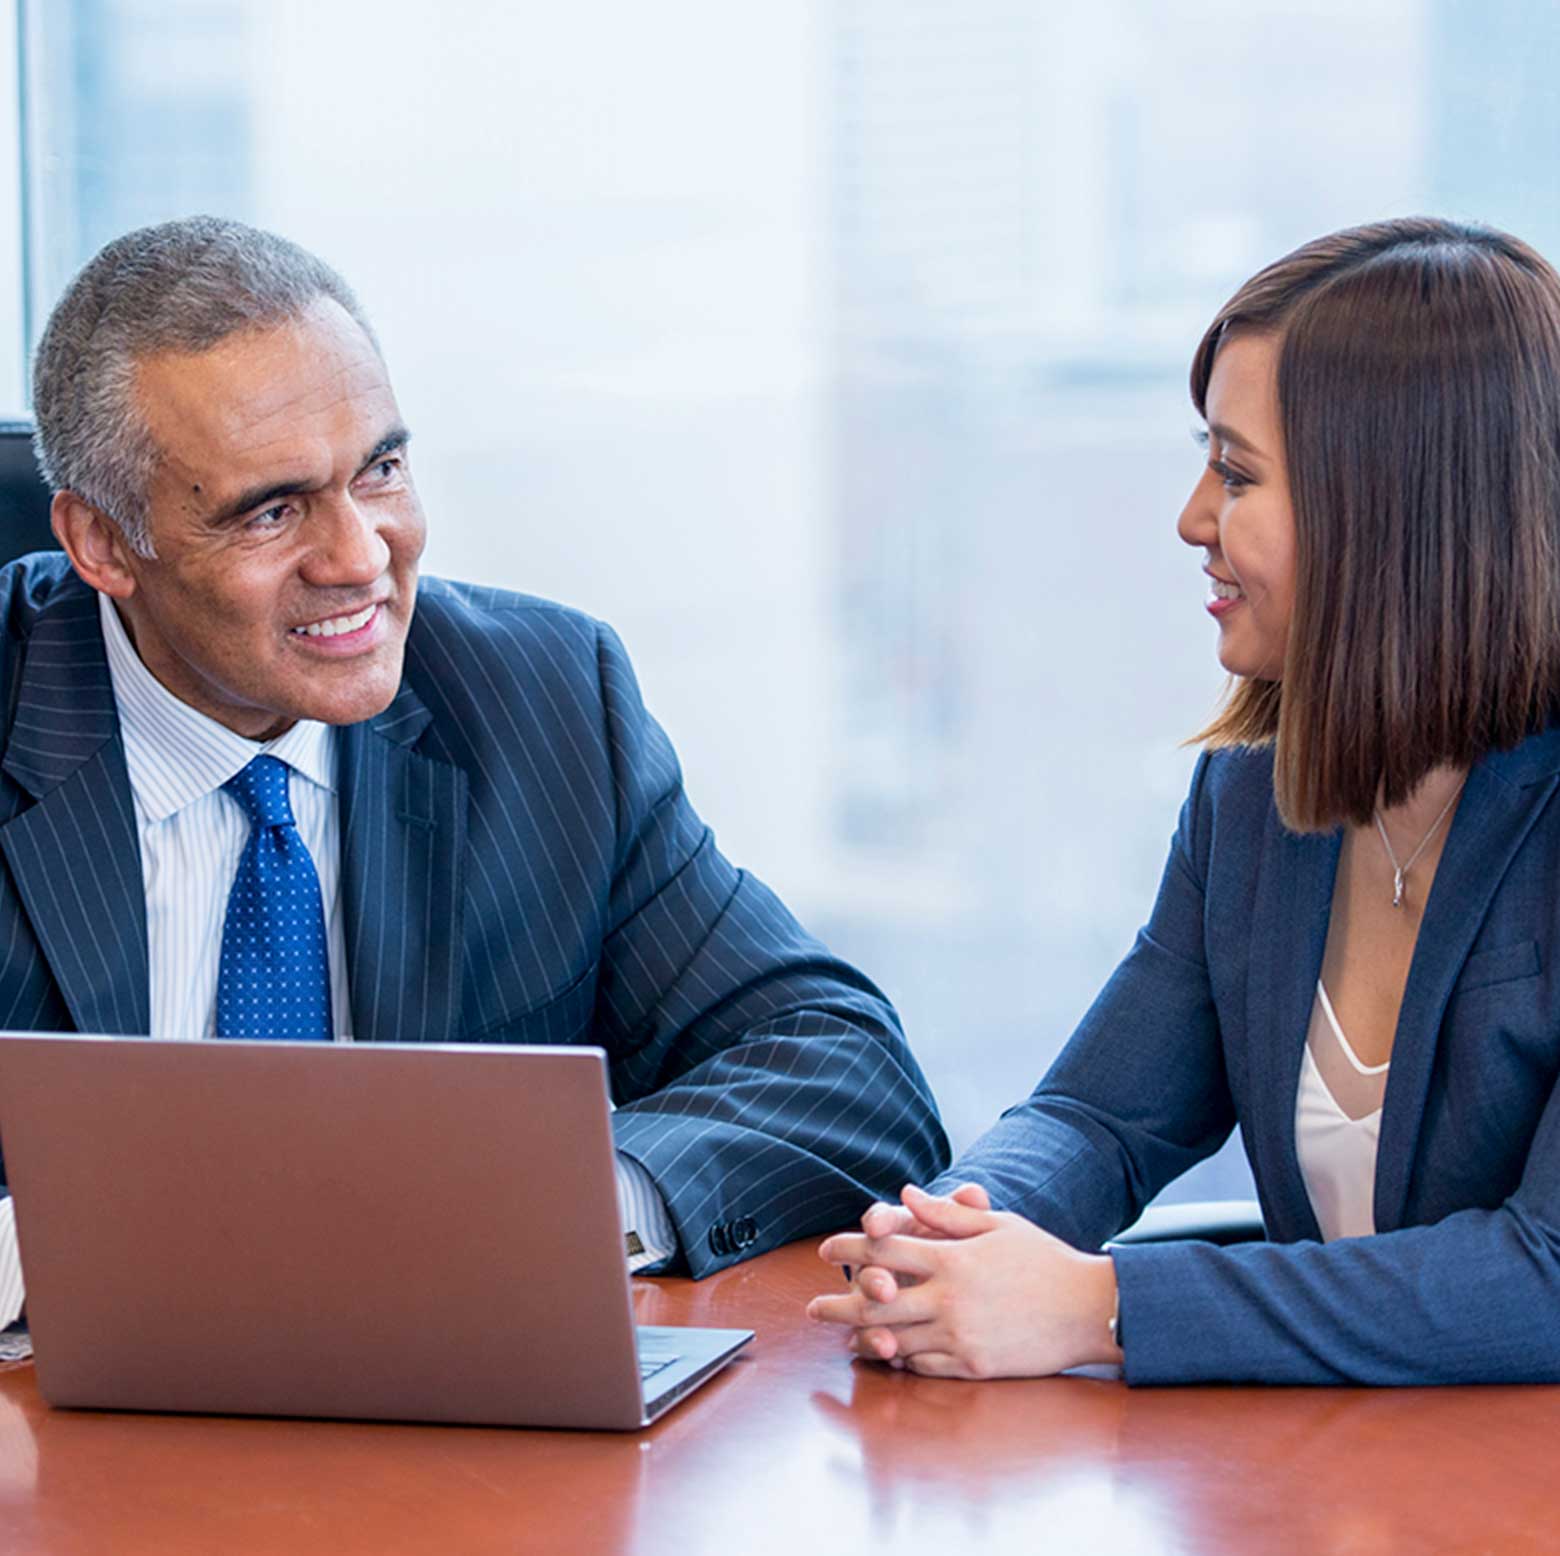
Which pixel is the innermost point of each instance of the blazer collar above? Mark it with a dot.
(1501, 802)
(403, 848)
(1293, 902)
(403, 722)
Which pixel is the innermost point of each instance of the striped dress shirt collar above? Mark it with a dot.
(175, 753)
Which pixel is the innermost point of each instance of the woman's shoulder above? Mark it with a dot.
(1230, 799)
(1234, 781)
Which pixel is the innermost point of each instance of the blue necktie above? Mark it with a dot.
(275, 977)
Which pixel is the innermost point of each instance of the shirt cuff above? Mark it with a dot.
(12, 1292)
(647, 1227)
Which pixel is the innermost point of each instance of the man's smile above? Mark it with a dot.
(337, 626)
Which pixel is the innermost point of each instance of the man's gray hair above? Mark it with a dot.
(180, 286)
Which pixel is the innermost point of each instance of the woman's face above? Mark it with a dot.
(1239, 510)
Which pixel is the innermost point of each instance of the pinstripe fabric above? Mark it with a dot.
(518, 864)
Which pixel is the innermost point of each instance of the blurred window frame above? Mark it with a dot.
(13, 230)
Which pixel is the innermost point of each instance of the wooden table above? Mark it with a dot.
(796, 1447)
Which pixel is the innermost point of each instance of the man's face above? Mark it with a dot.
(286, 528)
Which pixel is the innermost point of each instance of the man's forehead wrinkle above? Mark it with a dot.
(303, 366)
(296, 431)
(342, 384)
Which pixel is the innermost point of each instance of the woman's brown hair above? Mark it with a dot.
(1419, 397)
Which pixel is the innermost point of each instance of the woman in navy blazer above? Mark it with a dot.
(1373, 819)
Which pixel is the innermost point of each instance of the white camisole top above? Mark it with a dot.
(1338, 1126)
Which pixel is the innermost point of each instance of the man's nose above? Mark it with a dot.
(348, 547)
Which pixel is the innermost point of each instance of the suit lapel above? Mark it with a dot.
(1289, 934)
(403, 844)
(1503, 798)
(74, 853)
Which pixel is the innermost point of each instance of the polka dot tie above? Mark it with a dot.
(275, 978)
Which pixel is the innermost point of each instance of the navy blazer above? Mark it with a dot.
(519, 865)
(1203, 1026)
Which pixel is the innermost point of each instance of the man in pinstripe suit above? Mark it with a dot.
(503, 847)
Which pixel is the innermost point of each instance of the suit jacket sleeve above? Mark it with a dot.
(1138, 1095)
(1468, 1300)
(764, 1085)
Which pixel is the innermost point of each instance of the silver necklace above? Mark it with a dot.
(1401, 870)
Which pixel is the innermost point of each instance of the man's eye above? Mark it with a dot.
(269, 518)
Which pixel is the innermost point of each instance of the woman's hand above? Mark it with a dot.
(993, 1296)
(883, 1220)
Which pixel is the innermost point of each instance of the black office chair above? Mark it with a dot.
(24, 498)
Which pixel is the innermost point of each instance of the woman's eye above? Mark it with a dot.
(1234, 481)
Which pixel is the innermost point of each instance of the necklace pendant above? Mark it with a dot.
(1397, 888)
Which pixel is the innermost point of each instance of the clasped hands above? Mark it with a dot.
(950, 1288)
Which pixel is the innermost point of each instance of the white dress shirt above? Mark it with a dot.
(191, 834)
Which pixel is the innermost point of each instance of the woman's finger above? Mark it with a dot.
(882, 1220)
(972, 1194)
(911, 1340)
(844, 1308)
(844, 1248)
(951, 1217)
(876, 1344)
(877, 1284)
(900, 1255)
(853, 1307)
(935, 1364)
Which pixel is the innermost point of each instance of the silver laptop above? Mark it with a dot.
(319, 1229)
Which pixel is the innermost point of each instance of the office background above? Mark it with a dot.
(835, 351)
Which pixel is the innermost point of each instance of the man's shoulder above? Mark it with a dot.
(29, 585)
(480, 613)
(42, 588)
(471, 644)
(49, 631)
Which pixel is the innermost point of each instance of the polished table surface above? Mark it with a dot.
(797, 1447)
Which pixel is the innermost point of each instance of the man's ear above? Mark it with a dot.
(93, 542)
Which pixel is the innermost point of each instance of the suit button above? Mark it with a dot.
(747, 1232)
(719, 1242)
